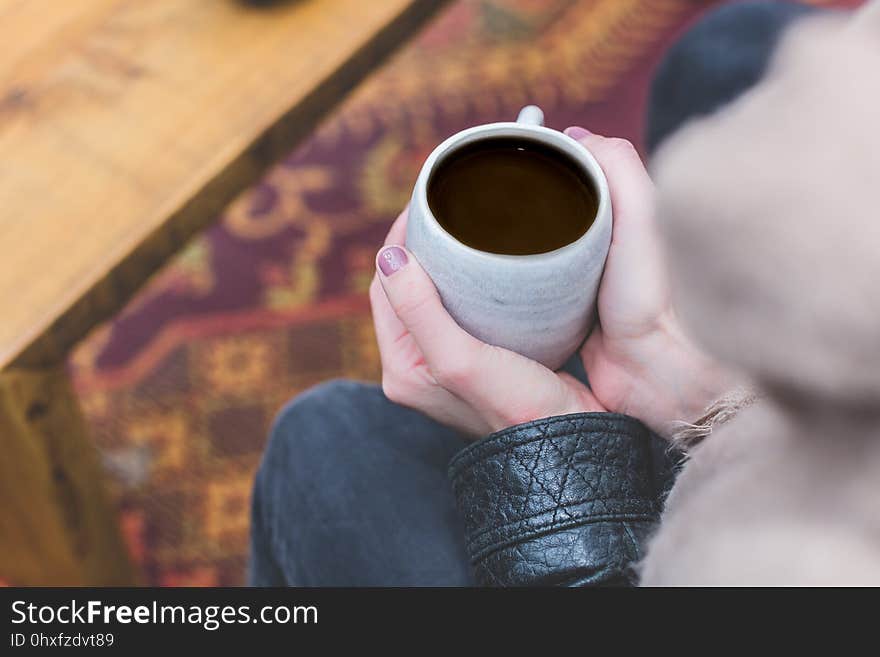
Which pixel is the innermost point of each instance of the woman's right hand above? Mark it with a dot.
(638, 358)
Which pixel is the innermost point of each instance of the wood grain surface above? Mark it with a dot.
(58, 526)
(126, 126)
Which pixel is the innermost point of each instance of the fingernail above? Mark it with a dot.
(577, 132)
(390, 259)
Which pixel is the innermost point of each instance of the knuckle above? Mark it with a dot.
(392, 388)
(394, 372)
(413, 306)
(621, 146)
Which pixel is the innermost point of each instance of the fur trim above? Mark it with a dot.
(687, 435)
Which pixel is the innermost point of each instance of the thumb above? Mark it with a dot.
(450, 353)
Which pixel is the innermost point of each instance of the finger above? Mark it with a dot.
(632, 192)
(584, 399)
(634, 286)
(403, 382)
(514, 390)
(449, 350)
(388, 328)
(448, 409)
(397, 233)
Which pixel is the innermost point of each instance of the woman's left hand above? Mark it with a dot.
(431, 364)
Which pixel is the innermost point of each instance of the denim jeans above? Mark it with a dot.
(352, 489)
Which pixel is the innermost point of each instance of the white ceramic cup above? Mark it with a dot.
(541, 306)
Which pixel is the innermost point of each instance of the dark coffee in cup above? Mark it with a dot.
(512, 196)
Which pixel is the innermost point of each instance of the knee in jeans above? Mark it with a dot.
(305, 442)
(314, 423)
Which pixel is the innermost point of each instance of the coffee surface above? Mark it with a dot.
(512, 196)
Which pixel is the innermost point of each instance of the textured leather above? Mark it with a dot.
(561, 501)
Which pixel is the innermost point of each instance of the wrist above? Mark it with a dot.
(661, 377)
(701, 380)
(684, 380)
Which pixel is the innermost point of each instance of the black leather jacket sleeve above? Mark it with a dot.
(562, 501)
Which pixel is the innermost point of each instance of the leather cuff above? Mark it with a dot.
(583, 484)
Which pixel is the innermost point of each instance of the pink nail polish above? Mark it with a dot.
(391, 259)
(576, 132)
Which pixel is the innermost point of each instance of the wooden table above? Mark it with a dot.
(124, 128)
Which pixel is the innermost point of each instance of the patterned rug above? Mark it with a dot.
(181, 387)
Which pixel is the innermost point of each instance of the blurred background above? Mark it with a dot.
(179, 389)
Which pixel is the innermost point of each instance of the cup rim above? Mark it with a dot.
(548, 137)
